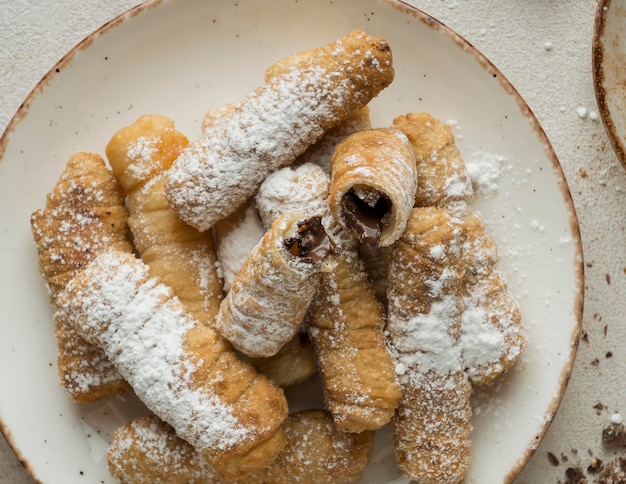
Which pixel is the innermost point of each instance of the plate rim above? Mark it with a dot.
(467, 47)
(597, 69)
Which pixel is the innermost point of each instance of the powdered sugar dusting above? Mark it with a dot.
(235, 246)
(127, 312)
(302, 189)
(233, 156)
(143, 448)
(484, 170)
(258, 318)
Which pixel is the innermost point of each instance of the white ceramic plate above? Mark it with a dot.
(609, 71)
(179, 58)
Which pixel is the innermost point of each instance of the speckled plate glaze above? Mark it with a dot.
(609, 71)
(180, 58)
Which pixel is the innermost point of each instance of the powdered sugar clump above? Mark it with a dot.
(484, 170)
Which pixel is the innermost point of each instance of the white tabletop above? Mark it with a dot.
(544, 49)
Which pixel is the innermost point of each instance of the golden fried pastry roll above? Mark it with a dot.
(181, 369)
(433, 421)
(298, 189)
(147, 450)
(443, 180)
(493, 337)
(84, 215)
(272, 292)
(345, 319)
(354, 364)
(317, 452)
(373, 185)
(320, 152)
(275, 124)
(178, 254)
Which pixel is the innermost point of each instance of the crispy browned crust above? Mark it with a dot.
(83, 216)
(178, 254)
(355, 366)
(433, 421)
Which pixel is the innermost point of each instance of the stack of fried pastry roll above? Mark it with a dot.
(275, 124)
(147, 450)
(84, 215)
(181, 369)
(178, 254)
(433, 421)
(345, 318)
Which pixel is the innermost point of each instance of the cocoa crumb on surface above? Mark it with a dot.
(614, 436)
(575, 475)
(595, 466)
(553, 459)
(612, 473)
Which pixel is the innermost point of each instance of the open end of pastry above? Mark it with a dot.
(366, 211)
(311, 242)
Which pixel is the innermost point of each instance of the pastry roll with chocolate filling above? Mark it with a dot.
(148, 450)
(493, 336)
(178, 254)
(272, 292)
(84, 215)
(433, 422)
(181, 369)
(442, 177)
(271, 126)
(373, 185)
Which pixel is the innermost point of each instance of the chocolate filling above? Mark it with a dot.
(311, 243)
(366, 212)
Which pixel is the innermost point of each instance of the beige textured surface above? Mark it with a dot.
(544, 48)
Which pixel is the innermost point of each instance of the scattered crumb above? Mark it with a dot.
(595, 466)
(614, 436)
(553, 459)
(613, 472)
(575, 475)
